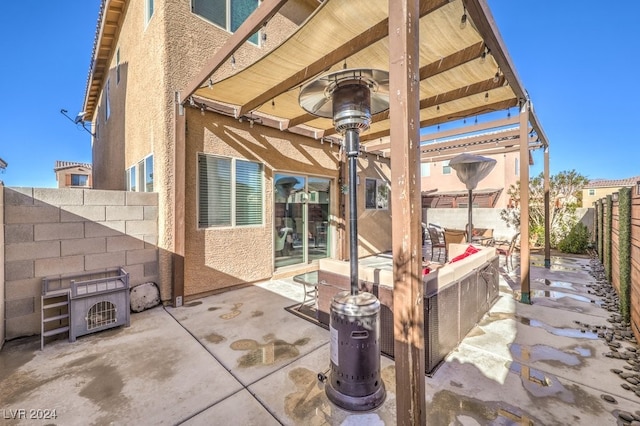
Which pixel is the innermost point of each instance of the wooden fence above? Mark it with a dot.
(618, 244)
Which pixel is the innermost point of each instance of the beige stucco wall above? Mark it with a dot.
(157, 60)
(53, 232)
(503, 175)
(217, 258)
(374, 226)
(2, 281)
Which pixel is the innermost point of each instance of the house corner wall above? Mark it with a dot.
(2, 281)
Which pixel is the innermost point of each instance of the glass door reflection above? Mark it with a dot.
(301, 219)
(289, 219)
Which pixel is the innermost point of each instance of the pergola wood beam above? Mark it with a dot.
(450, 96)
(473, 140)
(489, 107)
(408, 294)
(253, 23)
(372, 35)
(471, 129)
(463, 92)
(452, 61)
(367, 38)
(494, 124)
(482, 18)
(489, 150)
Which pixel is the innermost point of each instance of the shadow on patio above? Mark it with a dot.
(239, 357)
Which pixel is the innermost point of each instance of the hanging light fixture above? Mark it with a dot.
(463, 20)
(496, 77)
(483, 57)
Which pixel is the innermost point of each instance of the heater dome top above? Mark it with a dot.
(317, 96)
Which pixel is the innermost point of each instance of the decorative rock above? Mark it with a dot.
(626, 416)
(144, 296)
(616, 371)
(608, 398)
(626, 386)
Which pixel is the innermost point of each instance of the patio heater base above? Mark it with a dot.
(355, 382)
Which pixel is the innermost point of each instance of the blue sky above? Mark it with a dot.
(578, 61)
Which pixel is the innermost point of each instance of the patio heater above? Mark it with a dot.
(350, 97)
(471, 169)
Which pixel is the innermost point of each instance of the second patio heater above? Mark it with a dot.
(471, 169)
(350, 97)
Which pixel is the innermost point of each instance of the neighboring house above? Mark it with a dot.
(600, 188)
(281, 210)
(70, 174)
(442, 188)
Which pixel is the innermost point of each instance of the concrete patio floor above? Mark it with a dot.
(239, 358)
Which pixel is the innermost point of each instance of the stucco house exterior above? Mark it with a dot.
(280, 194)
(71, 174)
(599, 188)
(441, 187)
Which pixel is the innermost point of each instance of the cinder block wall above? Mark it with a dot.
(52, 232)
(486, 218)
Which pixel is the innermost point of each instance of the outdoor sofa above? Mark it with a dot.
(456, 297)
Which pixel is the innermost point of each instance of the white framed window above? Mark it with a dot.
(230, 192)
(79, 180)
(148, 174)
(592, 192)
(446, 168)
(139, 177)
(148, 10)
(425, 169)
(376, 194)
(228, 14)
(131, 178)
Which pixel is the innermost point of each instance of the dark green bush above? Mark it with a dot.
(576, 241)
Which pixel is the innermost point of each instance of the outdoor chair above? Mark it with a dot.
(437, 242)
(456, 236)
(483, 236)
(506, 249)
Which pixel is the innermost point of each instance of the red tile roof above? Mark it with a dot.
(610, 183)
(69, 164)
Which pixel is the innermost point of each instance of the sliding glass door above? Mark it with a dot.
(301, 219)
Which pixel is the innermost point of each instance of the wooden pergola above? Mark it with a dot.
(446, 61)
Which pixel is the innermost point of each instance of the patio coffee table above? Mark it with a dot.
(310, 282)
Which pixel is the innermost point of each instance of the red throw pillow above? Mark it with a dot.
(468, 252)
(471, 249)
(425, 271)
